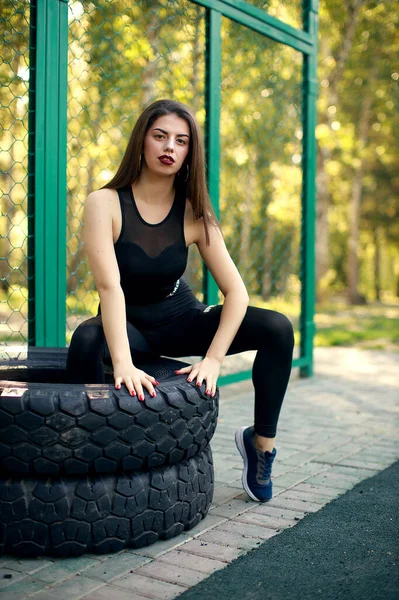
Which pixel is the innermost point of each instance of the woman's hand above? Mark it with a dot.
(134, 379)
(207, 369)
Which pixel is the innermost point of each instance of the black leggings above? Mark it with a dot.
(267, 331)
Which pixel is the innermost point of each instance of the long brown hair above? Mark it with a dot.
(194, 185)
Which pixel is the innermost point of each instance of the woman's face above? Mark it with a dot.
(166, 145)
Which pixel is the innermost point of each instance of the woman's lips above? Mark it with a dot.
(166, 160)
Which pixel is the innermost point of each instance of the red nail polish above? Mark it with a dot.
(157, 383)
(141, 398)
(176, 372)
(118, 387)
(198, 383)
(153, 394)
(189, 380)
(207, 392)
(133, 393)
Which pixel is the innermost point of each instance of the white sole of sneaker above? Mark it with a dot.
(239, 437)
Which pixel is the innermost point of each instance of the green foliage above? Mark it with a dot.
(370, 71)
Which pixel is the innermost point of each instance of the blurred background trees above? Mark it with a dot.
(123, 54)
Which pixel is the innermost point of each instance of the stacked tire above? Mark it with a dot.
(88, 468)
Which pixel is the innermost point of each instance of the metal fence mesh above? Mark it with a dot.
(122, 55)
(14, 103)
(261, 175)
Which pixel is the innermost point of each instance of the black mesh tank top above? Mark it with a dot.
(151, 258)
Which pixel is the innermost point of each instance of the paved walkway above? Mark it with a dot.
(335, 430)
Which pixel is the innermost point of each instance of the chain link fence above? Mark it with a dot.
(123, 55)
(14, 125)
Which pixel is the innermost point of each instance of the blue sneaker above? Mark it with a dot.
(256, 477)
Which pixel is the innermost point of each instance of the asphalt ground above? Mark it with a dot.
(347, 550)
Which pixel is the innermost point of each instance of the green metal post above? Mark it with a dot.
(31, 174)
(212, 128)
(48, 178)
(307, 325)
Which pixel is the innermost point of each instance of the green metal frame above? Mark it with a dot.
(47, 159)
(47, 174)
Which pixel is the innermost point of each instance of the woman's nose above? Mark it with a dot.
(169, 144)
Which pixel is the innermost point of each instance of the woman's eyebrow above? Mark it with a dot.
(166, 133)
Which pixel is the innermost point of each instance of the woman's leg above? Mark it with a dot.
(268, 332)
(271, 334)
(89, 350)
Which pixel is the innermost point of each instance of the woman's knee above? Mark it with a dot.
(278, 329)
(88, 336)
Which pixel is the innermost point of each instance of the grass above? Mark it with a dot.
(371, 327)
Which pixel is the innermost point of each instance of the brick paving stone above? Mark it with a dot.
(354, 471)
(320, 490)
(280, 513)
(64, 568)
(109, 592)
(116, 566)
(25, 565)
(289, 479)
(206, 524)
(257, 518)
(226, 538)
(232, 508)
(209, 550)
(294, 504)
(263, 533)
(5, 582)
(335, 480)
(192, 561)
(171, 573)
(366, 466)
(21, 589)
(159, 548)
(153, 588)
(75, 587)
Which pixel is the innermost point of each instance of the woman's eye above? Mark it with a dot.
(159, 136)
(182, 141)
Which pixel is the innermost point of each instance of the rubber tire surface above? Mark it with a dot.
(71, 516)
(77, 429)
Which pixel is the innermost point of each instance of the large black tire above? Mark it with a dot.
(75, 429)
(70, 516)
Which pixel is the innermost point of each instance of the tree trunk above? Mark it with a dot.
(322, 229)
(354, 209)
(377, 258)
(324, 154)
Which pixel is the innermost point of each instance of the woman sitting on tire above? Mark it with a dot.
(137, 230)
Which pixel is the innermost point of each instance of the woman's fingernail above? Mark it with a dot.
(189, 380)
(133, 393)
(213, 395)
(157, 383)
(176, 372)
(198, 383)
(118, 387)
(207, 392)
(141, 398)
(153, 394)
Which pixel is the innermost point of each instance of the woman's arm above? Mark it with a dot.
(229, 281)
(98, 241)
(99, 245)
(235, 304)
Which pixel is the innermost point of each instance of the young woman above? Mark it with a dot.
(137, 230)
